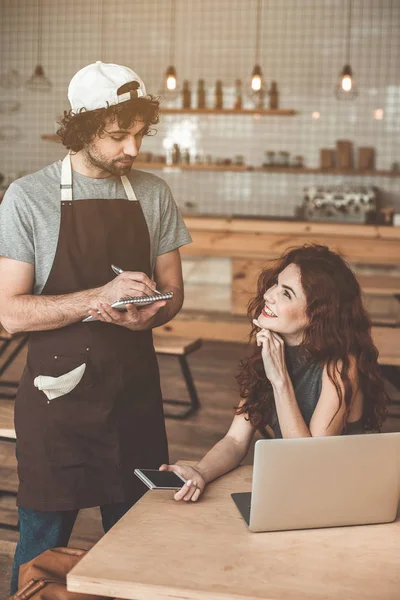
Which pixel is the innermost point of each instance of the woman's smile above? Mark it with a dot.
(267, 312)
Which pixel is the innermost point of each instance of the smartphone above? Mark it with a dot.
(160, 480)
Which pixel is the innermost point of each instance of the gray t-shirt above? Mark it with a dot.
(31, 210)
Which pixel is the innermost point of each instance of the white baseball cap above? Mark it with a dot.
(96, 86)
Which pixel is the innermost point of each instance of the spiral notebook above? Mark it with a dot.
(142, 300)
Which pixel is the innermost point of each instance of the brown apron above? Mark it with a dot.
(81, 449)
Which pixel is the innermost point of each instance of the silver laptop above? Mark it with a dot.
(323, 482)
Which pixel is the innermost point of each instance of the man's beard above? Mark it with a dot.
(114, 167)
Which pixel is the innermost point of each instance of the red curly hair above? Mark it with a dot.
(338, 329)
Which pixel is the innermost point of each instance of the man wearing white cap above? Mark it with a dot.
(89, 408)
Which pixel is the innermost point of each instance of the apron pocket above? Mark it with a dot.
(81, 425)
(54, 387)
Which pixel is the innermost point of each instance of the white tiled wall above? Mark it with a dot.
(302, 49)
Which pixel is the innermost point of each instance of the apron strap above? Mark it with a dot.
(66, 182)
(128, 188)
(66, 179)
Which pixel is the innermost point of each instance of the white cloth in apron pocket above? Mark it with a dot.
(54, 387)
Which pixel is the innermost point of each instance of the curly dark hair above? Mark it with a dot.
(77, 130)
(338, 330)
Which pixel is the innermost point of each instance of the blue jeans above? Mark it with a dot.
(40, 531)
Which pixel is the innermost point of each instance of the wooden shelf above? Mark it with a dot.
(184, 167)
(50, 137)
(247, 168)
(280, 112)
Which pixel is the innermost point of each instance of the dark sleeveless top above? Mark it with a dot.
(306, 378)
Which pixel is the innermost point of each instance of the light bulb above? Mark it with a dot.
(171, 82)
(170, 78)
(256, 79)
(346, 83)
(256, 83)
(346, 88)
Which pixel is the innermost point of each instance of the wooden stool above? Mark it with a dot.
(386, 339)
(6, 340)
(7, 434)
(180, 347)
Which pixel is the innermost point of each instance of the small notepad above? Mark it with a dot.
(142, 300)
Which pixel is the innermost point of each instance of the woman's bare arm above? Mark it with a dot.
(223, 457)
(229, 452)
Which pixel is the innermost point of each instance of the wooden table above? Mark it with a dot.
(195, 551)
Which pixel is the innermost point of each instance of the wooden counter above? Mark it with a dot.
(267, 239)
(164, 550)
(245, 274)
(251, 243)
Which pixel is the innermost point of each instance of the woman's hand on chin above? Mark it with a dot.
(195, 482)
(272, 353)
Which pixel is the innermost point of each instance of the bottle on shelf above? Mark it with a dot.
(283, 158)
(238, 95)
(201, 94)
(176, 154)
(273, 96)
(239, 160)
(299, 161)
(186, 156)
(258, 98)
(270, 156)
(219, 95)
(186, 95)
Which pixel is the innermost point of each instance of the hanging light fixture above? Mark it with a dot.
(170, 77)
(256, 76)
(378, 111)
(11, 77)
(38, 82)
(102, 32)
(345, 88)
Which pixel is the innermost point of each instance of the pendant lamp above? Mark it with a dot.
(257, 83)
(346, 88)
(38, 82)
(9, 78)
(170, 83)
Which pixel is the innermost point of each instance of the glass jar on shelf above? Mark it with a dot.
(269, 158)
(299, 161)
(283, 158)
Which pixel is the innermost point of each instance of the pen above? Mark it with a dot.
(118, 271)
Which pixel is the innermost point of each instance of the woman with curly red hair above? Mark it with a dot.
(313, 370)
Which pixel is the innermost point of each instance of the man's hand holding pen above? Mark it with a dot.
(127, 283)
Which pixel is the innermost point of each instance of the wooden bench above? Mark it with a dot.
(382, 285)
(386, 339)
(14, 344)
(7, 431)
(180, 347)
